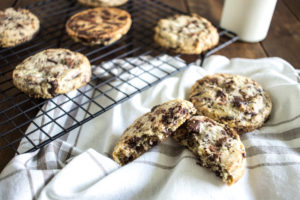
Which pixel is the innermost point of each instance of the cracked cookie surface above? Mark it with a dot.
(151, 128)
(235, 100)
(98, 26)
(217, 147)
(17, 26)
(102, 3)
(51, 72)
(186, 34)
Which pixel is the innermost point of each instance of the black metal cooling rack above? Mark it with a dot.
(105, 90)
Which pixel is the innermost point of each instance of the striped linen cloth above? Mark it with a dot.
(78, 165)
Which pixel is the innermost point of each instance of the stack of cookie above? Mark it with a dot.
(222, 107)
(151, 129)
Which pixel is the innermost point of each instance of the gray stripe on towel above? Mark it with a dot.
(69, 121)
(273, 164)
(11, 174)
(79, 130)
(175, 151)
(167, 167)
(29, 179)
(98, 163)
(169, 150)
(258, 150)
(285, 136)
(282, 122)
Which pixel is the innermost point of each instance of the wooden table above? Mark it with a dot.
(283, 39)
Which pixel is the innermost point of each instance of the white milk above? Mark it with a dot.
(250, 19)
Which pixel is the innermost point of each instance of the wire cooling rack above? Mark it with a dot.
(18, 111)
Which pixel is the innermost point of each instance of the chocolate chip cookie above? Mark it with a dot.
(235, 100)
(98, 25)
(102, 3)
(217, 147)
(151, 129)
(51, 72)
(186, 34)
(17, 26)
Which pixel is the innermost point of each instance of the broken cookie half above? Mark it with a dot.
(217, 147)
(151, 129)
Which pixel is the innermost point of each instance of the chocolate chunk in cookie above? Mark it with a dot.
(151, 129)
(235, 100)
(217, 147)
(98, 25)
(186, 34)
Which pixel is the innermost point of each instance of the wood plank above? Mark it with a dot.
(209, 9)
(5, 3)
(178, 4)
(212, 10)
(283, 39)
(243, 50)
(294, 6)
(20, 3)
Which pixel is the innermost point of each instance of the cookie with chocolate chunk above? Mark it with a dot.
(51, 72)
(217, 147)
(102, 3)
(151, 129)
(235, 100)
(17, 26)
(188, 34)
(98, 25)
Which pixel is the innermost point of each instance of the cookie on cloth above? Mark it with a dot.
(17, 26)
(235, 100)
(188, 34)
(98, 25)
(51, 72)
(217, 147)
(102, 3)
(151, 128)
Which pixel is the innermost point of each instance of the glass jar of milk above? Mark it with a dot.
(250, 19)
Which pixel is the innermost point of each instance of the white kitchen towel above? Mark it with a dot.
(79, 165)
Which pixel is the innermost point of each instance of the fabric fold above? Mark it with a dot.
(79, 165)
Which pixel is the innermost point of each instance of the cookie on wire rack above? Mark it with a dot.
(98, 26)
(217, 147)
(102, 3)
(151, 129)
(187, 34)
(52, 72)
(17, 26)
(231, 99)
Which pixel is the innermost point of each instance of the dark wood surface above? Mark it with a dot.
(283, 39)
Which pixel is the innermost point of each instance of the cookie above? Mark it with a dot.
(235, 100)
(217, 147)
(186, 34)
(98, 25)
(102, 3)
(151, 129)
(51, 72)
(17, 26)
